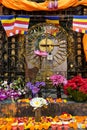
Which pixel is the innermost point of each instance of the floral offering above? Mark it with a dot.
(25, 123)
(76, 88)
(58, 79)
(38, 102)
(35, 87)
(11, 90)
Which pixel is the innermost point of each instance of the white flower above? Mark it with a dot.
(4, 83)
(38, 102)
(44, 102)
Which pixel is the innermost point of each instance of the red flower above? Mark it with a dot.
(76, 83)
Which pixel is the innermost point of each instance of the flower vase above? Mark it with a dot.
(58, 88)
(40, 94)
(38, 115)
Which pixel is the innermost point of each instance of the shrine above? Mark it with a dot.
(43, 64)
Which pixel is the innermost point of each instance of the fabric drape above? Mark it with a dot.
(85, 45)
(34, 6)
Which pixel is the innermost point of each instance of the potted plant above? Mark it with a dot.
(76, 88)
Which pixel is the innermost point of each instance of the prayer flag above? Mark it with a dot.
(52, 19)
(21, 24)
(8, 24)
(80, 23)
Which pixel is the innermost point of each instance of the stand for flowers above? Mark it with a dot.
(38, 115)
(58, 88)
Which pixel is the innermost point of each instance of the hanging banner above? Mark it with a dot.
(80, 23)
(13, 26)
(52, 19)
(8, 24)
(21, 24)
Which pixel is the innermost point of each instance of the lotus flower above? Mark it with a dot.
(40, 53)
(38, 102)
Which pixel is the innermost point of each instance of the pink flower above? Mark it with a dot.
(53, 4)
(40, 53)
(50, 5)
(58, 79)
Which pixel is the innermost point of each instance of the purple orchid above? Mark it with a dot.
(8, 93)
(11, 90)
(3, 96)
(35, 88)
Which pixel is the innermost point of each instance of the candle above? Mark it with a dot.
(55, 4)
(66, 125)
(50, 5)
(21, 126)
(14, 126)
(53, 125)
(59, 126)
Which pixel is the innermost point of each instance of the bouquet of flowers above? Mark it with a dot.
(76, 88)
(11, 90)
(58, 81)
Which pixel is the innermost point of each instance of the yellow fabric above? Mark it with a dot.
(63, 4)
(34, 6)
(81, 2)
(52, 21)
(0, 1)
(85, 45)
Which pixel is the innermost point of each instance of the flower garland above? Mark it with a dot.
(45, 123)
(48, 99)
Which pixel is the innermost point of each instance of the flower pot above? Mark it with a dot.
(58, 88)
(78, 96)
